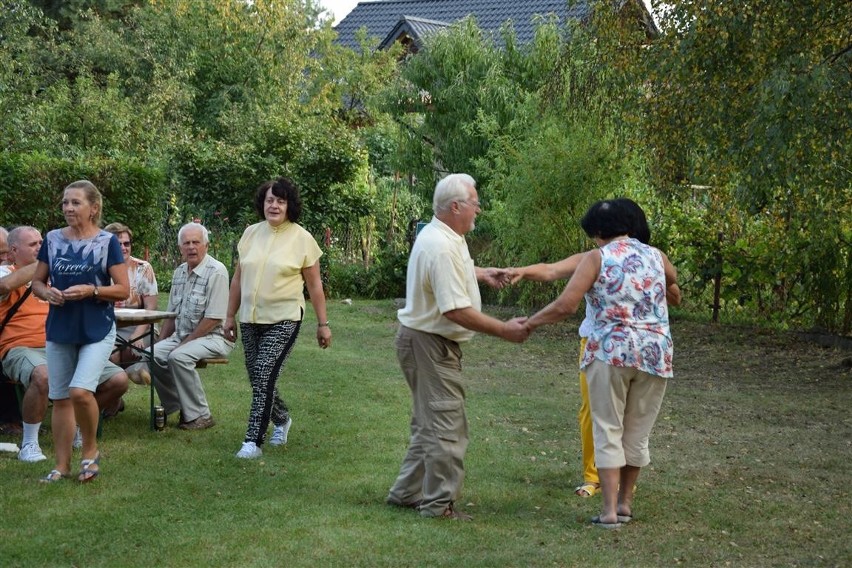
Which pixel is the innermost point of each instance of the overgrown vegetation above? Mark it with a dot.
(732, 128)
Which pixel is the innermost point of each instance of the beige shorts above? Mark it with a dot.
(625, 403)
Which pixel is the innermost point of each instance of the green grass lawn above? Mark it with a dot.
(750, 465)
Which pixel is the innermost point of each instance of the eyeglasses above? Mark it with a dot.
(125, 243)
(478, 204)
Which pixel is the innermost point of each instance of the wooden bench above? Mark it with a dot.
(202, 363)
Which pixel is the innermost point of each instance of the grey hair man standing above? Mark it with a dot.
(442, 310)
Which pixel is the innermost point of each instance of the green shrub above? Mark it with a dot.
(385, 278)
(31, 187)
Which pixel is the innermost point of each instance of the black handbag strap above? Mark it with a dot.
(14, 308)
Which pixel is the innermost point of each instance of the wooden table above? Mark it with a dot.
(125, 317)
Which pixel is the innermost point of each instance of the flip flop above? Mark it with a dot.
(54, 476)
(625, 518)
(596, 521)
(88, 474)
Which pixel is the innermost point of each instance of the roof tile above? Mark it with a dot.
(381, 16)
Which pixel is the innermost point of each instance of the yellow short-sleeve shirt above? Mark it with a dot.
(271, 263)
(441, 277)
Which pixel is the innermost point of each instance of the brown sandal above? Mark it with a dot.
(587, 490)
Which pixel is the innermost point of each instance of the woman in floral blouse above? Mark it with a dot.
(143, 295)
(628, 355)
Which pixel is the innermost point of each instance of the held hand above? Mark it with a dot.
(497, 277)
(324, 337)
(515, 330)
(55, 297)
(78, 292)
(229, 329)
(515, 275)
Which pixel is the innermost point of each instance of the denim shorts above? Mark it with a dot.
(77, 366)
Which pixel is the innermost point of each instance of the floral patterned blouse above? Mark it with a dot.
(143, 282)
(631, 317)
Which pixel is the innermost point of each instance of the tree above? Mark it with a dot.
(533, 124)
(219, 96)
(455, 80)
(750, 101)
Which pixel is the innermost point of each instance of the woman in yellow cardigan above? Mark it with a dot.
(278, 258)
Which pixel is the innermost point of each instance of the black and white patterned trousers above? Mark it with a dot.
(267, 347)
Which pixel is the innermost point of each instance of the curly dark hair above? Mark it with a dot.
(283, 188)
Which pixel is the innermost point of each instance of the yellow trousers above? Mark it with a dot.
(584, 417)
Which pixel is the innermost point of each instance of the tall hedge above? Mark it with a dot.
(31, 187)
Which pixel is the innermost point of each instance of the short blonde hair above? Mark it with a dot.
(118, 228)
(93, 196)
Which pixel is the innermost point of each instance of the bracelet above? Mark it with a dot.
(323, 324)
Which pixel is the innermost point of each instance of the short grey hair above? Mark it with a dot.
(16, 234)
(205, 235)
(454, 187)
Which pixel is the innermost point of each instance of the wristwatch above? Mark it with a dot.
(95, 293)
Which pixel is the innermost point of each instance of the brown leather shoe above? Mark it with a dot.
(200, 423)
(453, 515)
(412, 505)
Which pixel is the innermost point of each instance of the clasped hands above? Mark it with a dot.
(58, 297)
(501, 277)
(516, 329)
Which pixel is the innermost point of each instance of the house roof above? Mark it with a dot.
(415, 28)
(381, 17)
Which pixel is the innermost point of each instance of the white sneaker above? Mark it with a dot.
(249, 451)
(279, 433)
(31, 453)
(78, 439)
